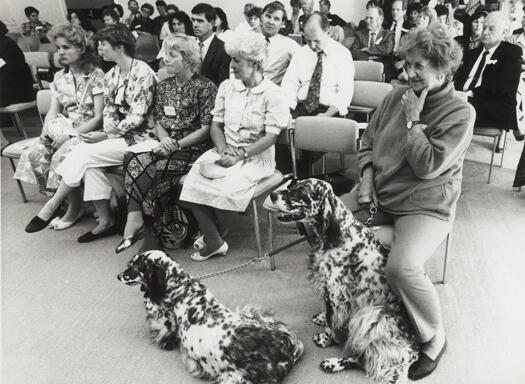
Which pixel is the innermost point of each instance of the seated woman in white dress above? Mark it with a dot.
(76, 107)
(249, 115)
(128, 93)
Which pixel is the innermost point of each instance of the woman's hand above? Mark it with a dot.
(160, 151)
(229, 160)
(367, 192)
(231, 151)
(111, 127)
(59, 140)
(412, 104)
(93, 137)
(170, 145)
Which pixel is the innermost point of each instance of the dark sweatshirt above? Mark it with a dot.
(418, 171)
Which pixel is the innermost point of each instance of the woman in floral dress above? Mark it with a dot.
(128, 94)
(182, 117)
(76, 107)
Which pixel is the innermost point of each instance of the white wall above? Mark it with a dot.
(349, 10)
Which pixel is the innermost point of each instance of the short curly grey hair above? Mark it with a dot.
(436, 45)
(186, 46)
(249, 46)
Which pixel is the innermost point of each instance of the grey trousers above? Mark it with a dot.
(416, 237)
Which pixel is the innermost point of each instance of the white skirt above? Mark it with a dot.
(232, 192)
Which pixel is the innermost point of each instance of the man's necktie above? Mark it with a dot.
(475, 79)
(394, 26)
(201, 49)
(311, 103)
(372, 41)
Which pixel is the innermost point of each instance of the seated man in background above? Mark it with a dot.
(280, 49)
(375, 43)
(159, 21)
(215, 61)
(144, 23)
(490, 75)
(307, 6)
(324, 8)
(319, 80)
(133, 7)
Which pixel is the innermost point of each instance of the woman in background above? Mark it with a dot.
(222, 28)
(472, 40)
(182, 118)
(427, 18)
(76, 108)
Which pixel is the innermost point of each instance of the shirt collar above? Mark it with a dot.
(240, 87)
(207, 42)
(491, 50)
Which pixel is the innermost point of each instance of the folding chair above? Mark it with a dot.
(321, 134)
(369, 71)
(39, 62)
(368, 95)
(13, 151)
(497, 135)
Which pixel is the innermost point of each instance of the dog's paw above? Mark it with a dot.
(338, 364)
(320, 319)
(322, 340)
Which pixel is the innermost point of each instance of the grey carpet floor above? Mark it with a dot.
(66, 318)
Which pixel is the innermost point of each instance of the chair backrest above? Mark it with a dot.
(369, 93)
(147, 47)
(43, 101)
(56, 61)
(13, 36)
(29, 43)
(368, 71)
(163, 74)
(47, 47)
(38, 59)
(325, 134)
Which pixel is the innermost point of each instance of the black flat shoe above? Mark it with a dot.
(128, 241)
(37, 224)
(424, 365)
(90, 236)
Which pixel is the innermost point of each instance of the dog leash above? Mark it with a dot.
(373, 211)
(252, 261)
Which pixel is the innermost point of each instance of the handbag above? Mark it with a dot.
(61, 125)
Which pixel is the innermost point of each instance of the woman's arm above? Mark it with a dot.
(96, 121)
(199, 136)
(217, 136)
(54, 109)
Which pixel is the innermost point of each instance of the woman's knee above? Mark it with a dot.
(399, 273)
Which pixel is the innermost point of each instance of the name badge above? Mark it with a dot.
(169, 110)
(2, 63)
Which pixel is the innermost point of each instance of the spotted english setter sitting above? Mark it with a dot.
(231, 347)
(347, 266)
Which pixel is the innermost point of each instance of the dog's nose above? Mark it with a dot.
(273, 196)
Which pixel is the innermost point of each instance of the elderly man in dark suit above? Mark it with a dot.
(215, 61)
(374, 43)
(490, 75)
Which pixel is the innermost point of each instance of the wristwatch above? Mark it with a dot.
(410, 124)
(245, 153)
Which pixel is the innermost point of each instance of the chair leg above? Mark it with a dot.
(447, 252)
(504, 133)
(342, 160)
(20, 187)
(492, 157)
(256, 226)
(20, 126)
(270, 241)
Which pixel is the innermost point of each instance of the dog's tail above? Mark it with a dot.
(377, 334)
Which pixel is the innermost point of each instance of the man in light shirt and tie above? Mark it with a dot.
(490, 75)
(374, 43)
(280, 48)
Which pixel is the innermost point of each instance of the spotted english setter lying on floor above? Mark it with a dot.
(242, 347)
(347, 266)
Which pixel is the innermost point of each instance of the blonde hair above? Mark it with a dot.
(186, 46)
(249, 46)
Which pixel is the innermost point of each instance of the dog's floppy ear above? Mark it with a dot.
(331, 228)
(155, 283)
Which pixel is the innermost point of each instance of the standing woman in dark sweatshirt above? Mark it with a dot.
(16, 83)
(411, 161)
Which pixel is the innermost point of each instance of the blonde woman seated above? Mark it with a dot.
(249, 114)
(182, 113)
(128, 92)
(76, 108)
